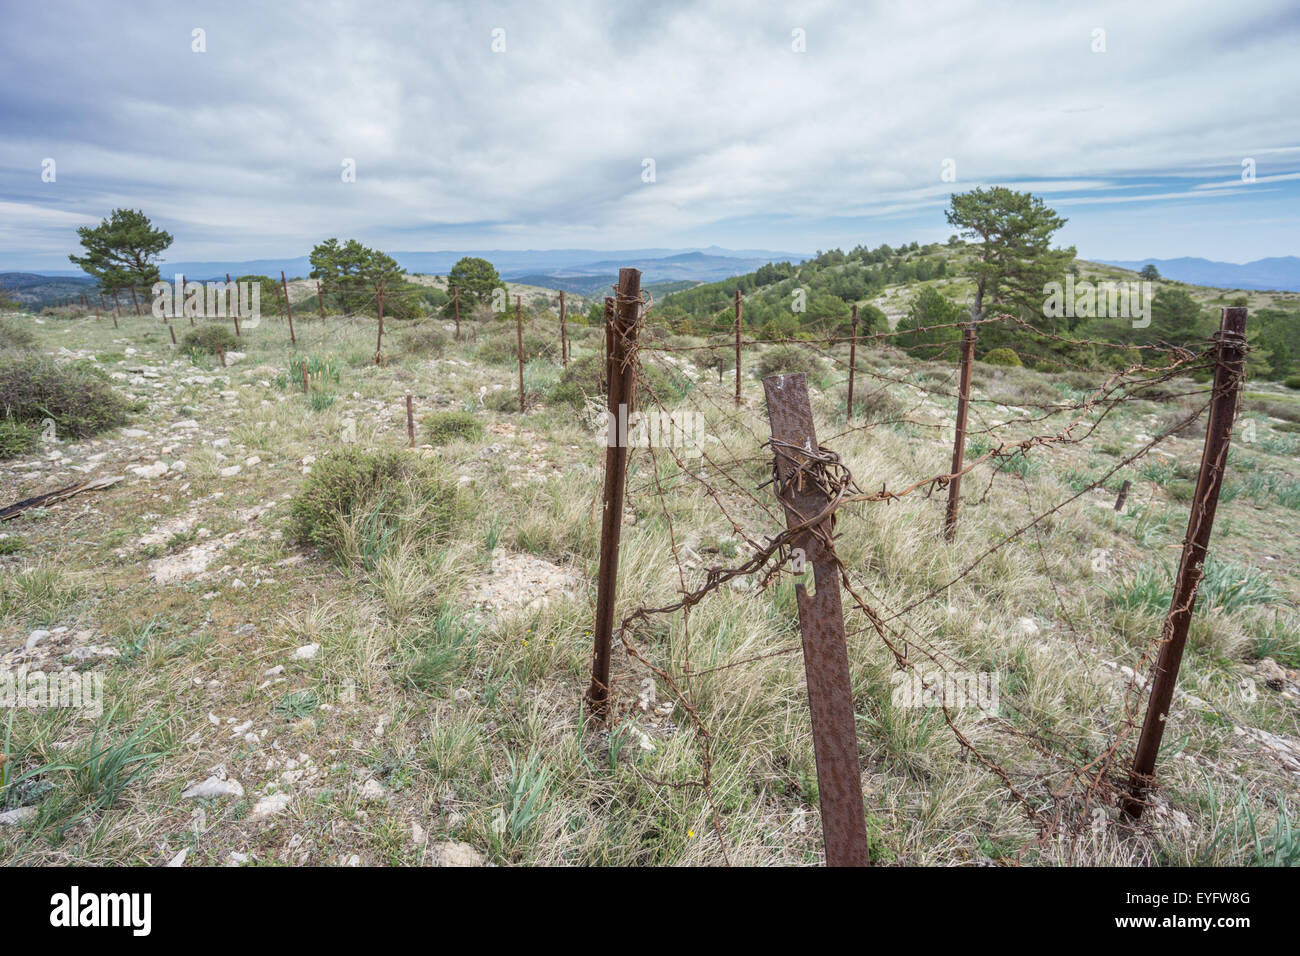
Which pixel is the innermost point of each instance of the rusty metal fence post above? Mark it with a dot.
(564, 340)
(821, 622)
(293, 339)
(379, 342)
(621, 318)
(1123, 495)
(959, 439)
(519, 349)
(233, 299)
(737, 348)
(410, 420)
(853, 360)
(455, 302)
(1229, 368)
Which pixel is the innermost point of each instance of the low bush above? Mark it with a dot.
(75, 396)
(787, 359)
(443, 428)
(209, 337)
(1006, 357)
(358, 503)
(15, 336)
(500, 346)
(425, 339)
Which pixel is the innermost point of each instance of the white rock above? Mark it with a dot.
(35, 637)
(269, 806)
(231, 471)
(451, 853)
(372, 789)
(214, 787)
(306, 652)
(1028, 626)
(156, 470)
(11, 818)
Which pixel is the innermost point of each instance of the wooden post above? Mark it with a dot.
(221, 351)
(455, 301)
(737, 348)
(519, 344)
(410, 420)
(959, 438)
(821, 622)
(853, 359)
(620, 334)
(379, 343)
(172, 329)
(1229, 372)
(293, 339)
(564, 342)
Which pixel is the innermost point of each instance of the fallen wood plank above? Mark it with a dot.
(49, 497)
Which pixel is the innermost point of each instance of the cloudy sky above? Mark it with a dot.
(1133, 120)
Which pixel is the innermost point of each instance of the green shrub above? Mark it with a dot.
(12, 543)
(425, 339)
(500, 346)
(1292, 381)
(15, 336)
(786, 358)
(16, 438)
(210, 337)
(76, 396)
(584, 380)
(357, 503)
(1004, 356)
(443, 428)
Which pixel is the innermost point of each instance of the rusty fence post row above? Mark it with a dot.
(1123, 495)
(821, 623)
(1230, 360)
(621, 318)
(959, 438)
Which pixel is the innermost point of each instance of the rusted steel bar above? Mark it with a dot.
(293, 339)
(455, 302)
(853, 359)
(959, 439)
(410, 420)
(172, 329)
(232, 296)
(1123, 495)
(519, 350)
(737, 347)
(564, 342)
(379, 342)
(821, 622)
(621, 319)
(1230, 355)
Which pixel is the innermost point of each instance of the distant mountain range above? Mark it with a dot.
(1281, 273)
(657, 265)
